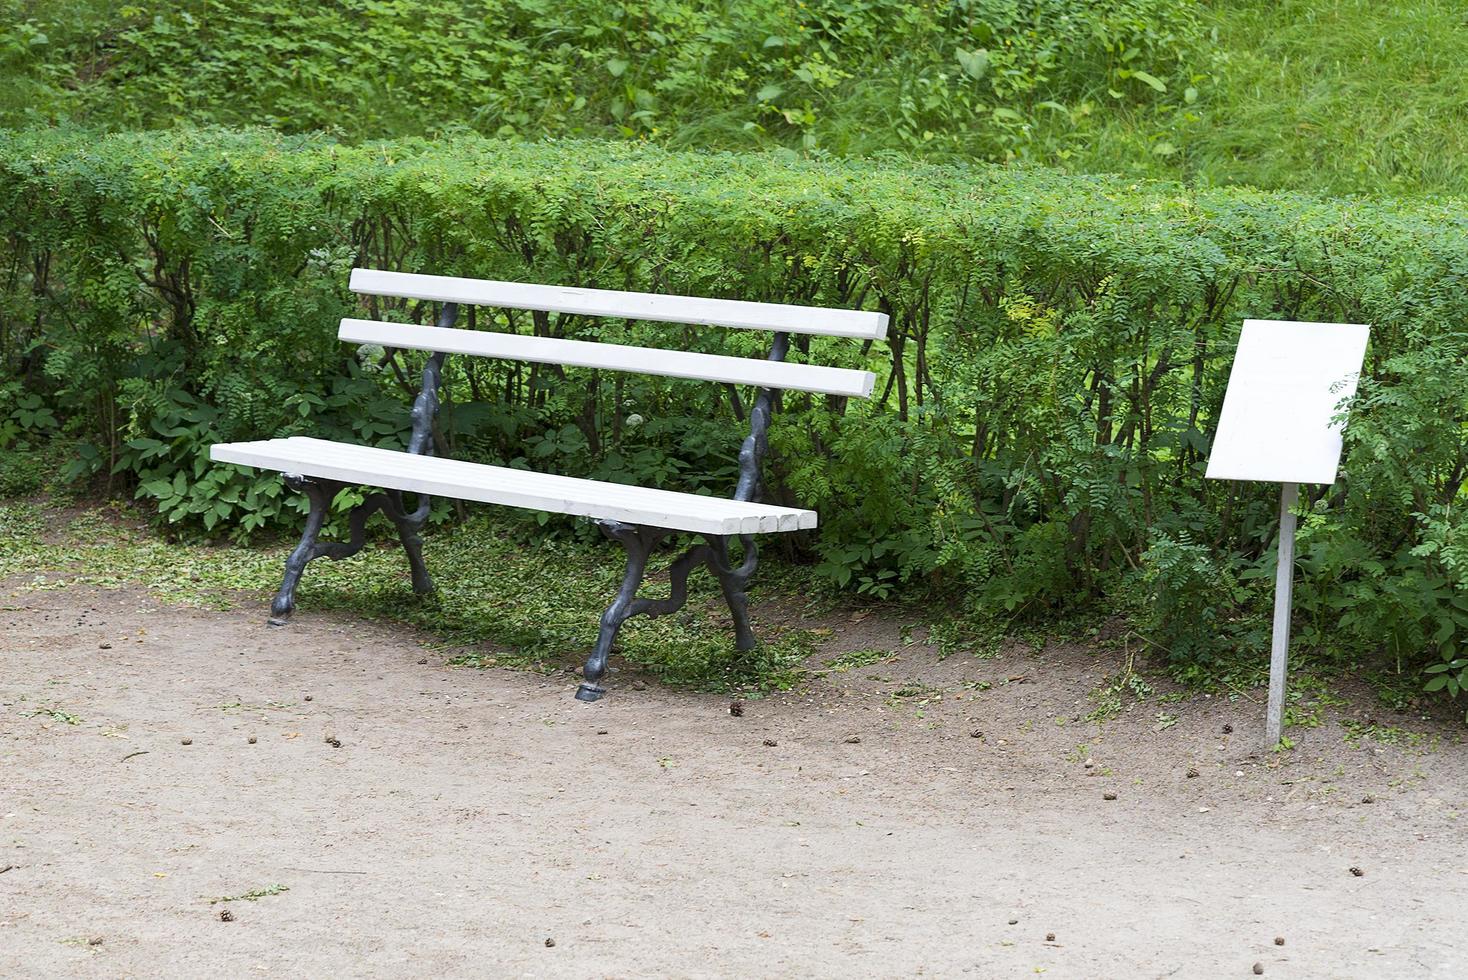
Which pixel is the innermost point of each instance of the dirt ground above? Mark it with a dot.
(162, 765)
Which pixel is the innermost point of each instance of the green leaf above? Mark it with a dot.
(974, 63)
(616, 66)
(1151, 80)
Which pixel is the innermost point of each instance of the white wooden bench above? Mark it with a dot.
(638, 517)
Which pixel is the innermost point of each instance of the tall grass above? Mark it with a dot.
(1346, 96)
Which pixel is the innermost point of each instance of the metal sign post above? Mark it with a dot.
(1284, 587)
(1281, 423)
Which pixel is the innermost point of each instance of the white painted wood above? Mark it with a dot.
(633, 306)
(514, 488)
(613, 357)
(1288, 383)
(1284, 587)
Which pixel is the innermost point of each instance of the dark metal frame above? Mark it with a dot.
(639, 540)
(320, 493)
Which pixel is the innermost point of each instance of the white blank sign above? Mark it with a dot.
(1289, 383)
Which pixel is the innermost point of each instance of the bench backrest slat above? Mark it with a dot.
(860, 324)
(613, 357)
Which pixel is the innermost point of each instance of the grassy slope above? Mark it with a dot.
(1338, 95)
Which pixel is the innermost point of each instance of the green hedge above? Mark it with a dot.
(1058, 354)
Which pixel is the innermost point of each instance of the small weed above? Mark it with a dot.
(915, 689)
(251, 896)
(1306, 702)
(1302, 716)
(55, 714)
(1110, 698)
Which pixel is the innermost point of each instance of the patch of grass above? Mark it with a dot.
(535, 603)
(21, 523)
(858, 658)
(1356, 731)
(1397, 690)
(1321, 96)
(1349, 96)
(980, 636)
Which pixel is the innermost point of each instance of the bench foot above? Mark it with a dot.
(320, 493)
(284, 603)
(639, 542)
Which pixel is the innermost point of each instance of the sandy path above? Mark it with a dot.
(469, 816)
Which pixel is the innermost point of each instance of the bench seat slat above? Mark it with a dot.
(516, 488)
(613, 357)
(861, 324)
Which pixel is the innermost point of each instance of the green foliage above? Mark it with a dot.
(1000, 79)
(27, 425)
(1195, 602)
(1044, 404)
(1346, 96)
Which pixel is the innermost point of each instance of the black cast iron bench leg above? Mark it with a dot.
(639, 542)
(321, 493)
